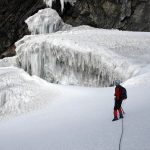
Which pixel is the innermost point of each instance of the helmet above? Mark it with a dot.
(117, 82)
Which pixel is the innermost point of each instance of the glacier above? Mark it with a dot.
(59, 57)
(80, 55)
(46, 21)
(80, 119)
(84, 55)
(74, 117)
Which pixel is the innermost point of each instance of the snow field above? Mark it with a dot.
(75, 125)
(81, 119)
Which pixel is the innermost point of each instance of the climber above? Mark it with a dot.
(120, 95)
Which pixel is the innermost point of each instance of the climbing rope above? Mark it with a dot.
(121, 136)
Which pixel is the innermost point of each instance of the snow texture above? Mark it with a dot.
(49, 3)
(8, 62)
(80, 119)
(46, 21)
(20, 92)
(84, 55)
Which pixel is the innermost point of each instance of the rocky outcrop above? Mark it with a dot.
(13, 13)
(131, 15)
(121, 14)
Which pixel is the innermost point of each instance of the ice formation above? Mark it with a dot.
(20, 92)
(46, 21)
(84, 55)
(49, 3)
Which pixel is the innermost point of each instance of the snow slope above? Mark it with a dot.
(74, 118)
(80, 119)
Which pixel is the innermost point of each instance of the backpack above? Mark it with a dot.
(123, 93)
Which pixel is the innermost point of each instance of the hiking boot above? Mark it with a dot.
(115, 119)
(121, 116)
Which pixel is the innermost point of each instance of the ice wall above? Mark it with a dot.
(61, 65)
(46, 21)
(49, 3)
(84, 55)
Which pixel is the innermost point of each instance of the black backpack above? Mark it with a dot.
(123, 93)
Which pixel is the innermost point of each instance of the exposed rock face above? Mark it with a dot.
(121, 14)
(13, 13)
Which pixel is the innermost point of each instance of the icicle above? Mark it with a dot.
(59, 65)
(83, 55)
(49, 3)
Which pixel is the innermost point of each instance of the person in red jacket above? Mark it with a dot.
(118, 101)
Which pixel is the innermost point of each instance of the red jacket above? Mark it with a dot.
(117, 92)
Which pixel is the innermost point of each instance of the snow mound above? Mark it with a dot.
(84, 55)
(46, 21)
(20, 92)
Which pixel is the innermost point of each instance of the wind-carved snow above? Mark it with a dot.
(20, 92)
(50, 2)
(46, 21)
(84, 55)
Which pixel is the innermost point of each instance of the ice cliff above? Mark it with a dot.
(84, 55)
(81, 55)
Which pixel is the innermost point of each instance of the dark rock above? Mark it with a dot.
(13, 13)
(131, 15)
(9, 52)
